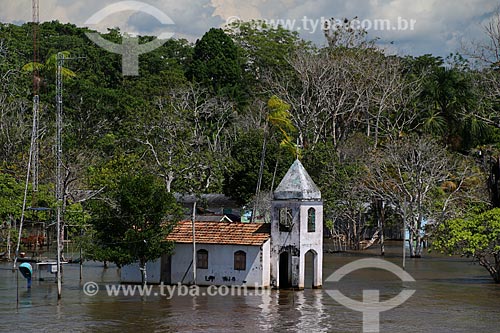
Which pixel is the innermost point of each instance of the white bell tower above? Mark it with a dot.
(296, 229)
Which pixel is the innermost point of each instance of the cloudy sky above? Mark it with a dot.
(439, 26)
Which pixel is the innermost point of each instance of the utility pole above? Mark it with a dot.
(59, 166)
(36, 97)
(193, 223)
(259, 180)
(60, 195)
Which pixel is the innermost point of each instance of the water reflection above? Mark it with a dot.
(267, 311)
(311, 310)
(452, 296)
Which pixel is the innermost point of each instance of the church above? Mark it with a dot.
(252, 254)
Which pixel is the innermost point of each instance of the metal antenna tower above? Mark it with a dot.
(34, 146)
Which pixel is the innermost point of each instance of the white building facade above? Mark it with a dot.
(296, 230)
(226, 254)
(252, 254)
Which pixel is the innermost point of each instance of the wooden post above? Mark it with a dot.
(81, 257)
(193, 222)
(382, 222)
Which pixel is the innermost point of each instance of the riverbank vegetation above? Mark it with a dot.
(394, 142)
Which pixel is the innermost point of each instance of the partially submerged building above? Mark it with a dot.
(252, 254)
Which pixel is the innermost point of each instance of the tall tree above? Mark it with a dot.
(265, 50)
(132, 221)
(188, 133)
(217, 64)
(337, 91)
(406, 174)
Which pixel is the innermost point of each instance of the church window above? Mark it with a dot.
(311, 220)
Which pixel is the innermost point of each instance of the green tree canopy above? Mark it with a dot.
(217, 63)
(132, 220)
(476, 235)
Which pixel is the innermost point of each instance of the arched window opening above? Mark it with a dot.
(311, 220)
(240, 261)
(202, 259)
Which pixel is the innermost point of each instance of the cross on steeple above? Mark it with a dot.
(297, 148)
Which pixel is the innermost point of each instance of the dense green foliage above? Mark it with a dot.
(217, 65)
(476, 235)
(130, 225)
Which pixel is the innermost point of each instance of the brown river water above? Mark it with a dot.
(452, 295)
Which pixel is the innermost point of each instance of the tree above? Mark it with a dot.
(452, 101)
(242, 176)
(477, 235)
(265, 50)
(340, 177)
(407, 173)
(10, 207)
(343, 33)
(131, 221)
(278, 120)
(14, 131)
(334, 92)
(487, 51)
(217, 64)
(49, 68)
(188, 134)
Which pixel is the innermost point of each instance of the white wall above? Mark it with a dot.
(297, 242)
(132, 274)
(311, 241)
(266, 263)
(221, 265)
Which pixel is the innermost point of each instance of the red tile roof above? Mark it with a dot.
(221, 233)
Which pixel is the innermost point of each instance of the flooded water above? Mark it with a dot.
(452, 295)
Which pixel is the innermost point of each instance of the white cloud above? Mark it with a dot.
(192, 17)
(441, 25)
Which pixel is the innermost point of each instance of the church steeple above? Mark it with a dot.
(296, 229)
(297, 184)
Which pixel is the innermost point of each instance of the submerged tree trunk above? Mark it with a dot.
(415, 244)
(381, 221)
(144, 275)
(410, 243)
(9, 247)
(493, 268)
